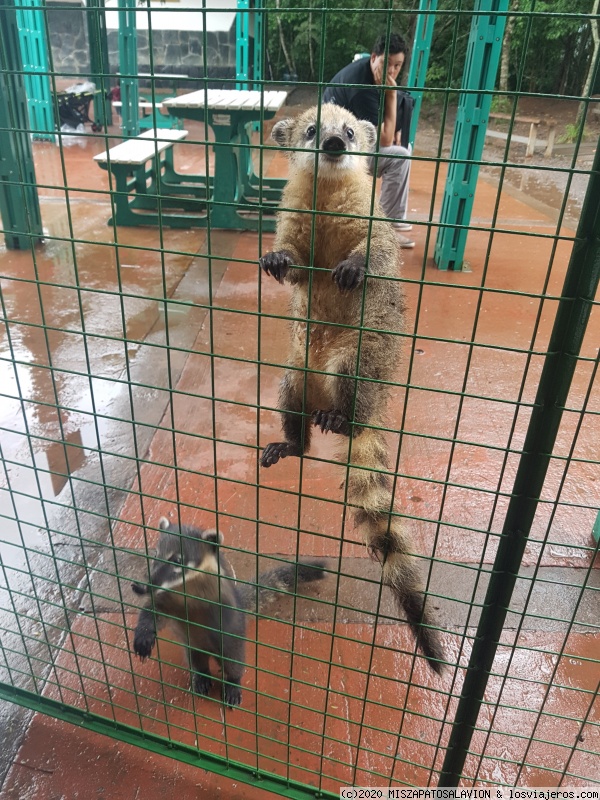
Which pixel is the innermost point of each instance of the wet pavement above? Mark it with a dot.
(138, 381)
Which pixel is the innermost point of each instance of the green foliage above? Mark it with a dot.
(334, 35)
(501, 104)
(548, 53)
(572, 134)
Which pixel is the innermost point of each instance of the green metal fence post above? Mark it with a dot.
(259, 45)
(242, 44)
(420, 58)
(128, 67)
(19, 203)
(99, 63)
(579, 290)
(481, 66)
(34, 56)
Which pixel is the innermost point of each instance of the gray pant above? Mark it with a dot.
(395, 173)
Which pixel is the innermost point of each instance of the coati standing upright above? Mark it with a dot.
(355, 310)
(194, 586)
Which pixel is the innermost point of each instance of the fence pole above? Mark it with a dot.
(579, 290)
(481, 66)
(129, 67)
(420, 59)
(99, 63)
(34, 55)
(19, 203)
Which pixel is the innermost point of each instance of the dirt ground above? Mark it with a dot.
(554, 181)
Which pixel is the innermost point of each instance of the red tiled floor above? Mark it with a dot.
(320, 697)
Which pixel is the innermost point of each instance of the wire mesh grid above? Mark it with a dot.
(140, 371)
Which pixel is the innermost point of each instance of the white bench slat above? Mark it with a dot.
(232, 99)
(142, 148)
(141, 104)
(275, 101)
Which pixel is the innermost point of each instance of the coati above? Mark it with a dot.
(344, 290)
(193, 584)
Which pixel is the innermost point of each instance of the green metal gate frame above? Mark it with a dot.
(574, 308)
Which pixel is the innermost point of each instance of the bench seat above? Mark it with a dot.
(141, 149)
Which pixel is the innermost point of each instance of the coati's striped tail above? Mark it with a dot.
(287, 577)
(371, 492)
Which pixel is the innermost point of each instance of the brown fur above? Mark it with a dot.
(193, 586)
(344, 290)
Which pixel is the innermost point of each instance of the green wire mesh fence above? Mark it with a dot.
(140, 367)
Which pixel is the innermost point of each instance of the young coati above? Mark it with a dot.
(344, 290)
(194, 586)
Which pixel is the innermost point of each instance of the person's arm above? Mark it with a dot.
(388, 128)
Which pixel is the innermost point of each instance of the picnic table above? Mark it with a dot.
(236, 189)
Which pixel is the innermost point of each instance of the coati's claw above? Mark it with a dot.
(331, 421)
(202, 684)
(349, 273)
(143, 642)
(232, 694)
(276, 264)
(276, 450)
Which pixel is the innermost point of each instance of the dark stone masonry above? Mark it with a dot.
(178, 52)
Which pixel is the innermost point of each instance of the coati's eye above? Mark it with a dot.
(176, 558)
(350, 133)
(310, 132)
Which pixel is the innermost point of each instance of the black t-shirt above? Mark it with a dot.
(364, 100)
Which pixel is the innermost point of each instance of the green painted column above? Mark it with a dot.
(242, 44)
(420, 58)
(481, 67)
(259, 45)
(99, 63)
(34, 55)
(128, 67)
(19, 203)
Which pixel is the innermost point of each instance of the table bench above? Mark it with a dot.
(531, 140)
(238, 198)
(145, 178)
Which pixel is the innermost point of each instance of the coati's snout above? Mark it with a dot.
(334, 146)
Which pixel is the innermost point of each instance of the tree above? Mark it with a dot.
(506, 44)
(590, 73)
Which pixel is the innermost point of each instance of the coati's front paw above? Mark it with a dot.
(232, 694)
(143, 642)
(276, 450)
(201, 684)
(276, 264)
(350, 272)
(332, 421)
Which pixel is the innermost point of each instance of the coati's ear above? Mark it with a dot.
(369, 133)
(211, 535)
(281, 132)
(164, 524)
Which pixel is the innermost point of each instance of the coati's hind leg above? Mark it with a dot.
(296, 429)
(355, 402)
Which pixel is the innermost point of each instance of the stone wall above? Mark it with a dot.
(179, 52)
